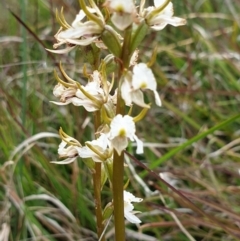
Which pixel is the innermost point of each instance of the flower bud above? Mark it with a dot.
(111, 39)
(108, 210)
(138, 36)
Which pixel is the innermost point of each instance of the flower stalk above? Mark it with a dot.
(97, 185)
(118, 160)
(118, 173)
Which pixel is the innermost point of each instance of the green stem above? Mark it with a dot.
(118, 161)
(118, 171)
(97, 196)
(97, 186)
(117, 184)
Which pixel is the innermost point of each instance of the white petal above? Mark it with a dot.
(125, 92)
(157, 3)
(61, 146)
(122, 21)
(168, 10)
(129, 197)
(128, 207)
(61, 103)
(129, 125)
(61, 51)
(86, 29)
(119, 144)
(82, 42)
(159, 26)
(115, 125)
(72, 33)
(143, 77)
(102, 142)
(66, 161)
(58, 90)
(139, 145)
(138, 98)
(136, 199)
(78, 19)
(160, 22)
(85, 152)
(123, 6)
(157, 98)
(86, 103)
(131, 217)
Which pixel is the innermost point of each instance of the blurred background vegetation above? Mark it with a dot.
(193, 140)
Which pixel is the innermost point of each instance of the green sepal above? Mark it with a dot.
(138, 36)
(108, 210)
(90, 54)
(126, 184)
(104, 176)
(89, 163)
(111, 68)
(111, 40)
(109, 168)
(90, 15)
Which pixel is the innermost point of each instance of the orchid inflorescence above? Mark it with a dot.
(115, 28)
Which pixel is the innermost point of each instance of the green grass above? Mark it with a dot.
(194, 137)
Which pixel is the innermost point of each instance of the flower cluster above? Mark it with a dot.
(124, 13)
(118, 27)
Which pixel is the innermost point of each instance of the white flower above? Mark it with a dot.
(124, 12)
(97, 149)
(159, 20)
(90, 104)
(142, 78)
(123, 128)
(124, 6)
(79, 33)
(91, 96)
(129, 214)
(64, 93)
(68, 149)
